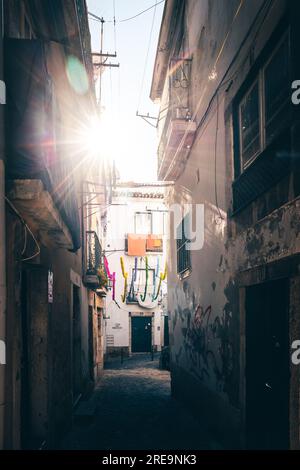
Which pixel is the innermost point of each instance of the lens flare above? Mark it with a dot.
(77, 75)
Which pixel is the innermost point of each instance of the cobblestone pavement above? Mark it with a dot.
(133, 409)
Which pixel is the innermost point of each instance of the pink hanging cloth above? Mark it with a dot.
(112, 277)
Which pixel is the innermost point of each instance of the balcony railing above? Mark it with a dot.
(176, 140)
(93, 261)
(178, 129)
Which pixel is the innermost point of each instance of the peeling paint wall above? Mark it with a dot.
(206, 308)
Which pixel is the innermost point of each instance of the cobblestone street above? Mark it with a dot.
(132, 409)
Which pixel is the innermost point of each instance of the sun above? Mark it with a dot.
(113, 139)
(124, 142)
(90, 136)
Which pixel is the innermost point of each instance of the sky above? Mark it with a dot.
(126, 138)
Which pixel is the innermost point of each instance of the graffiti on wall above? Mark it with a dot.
(208, 345)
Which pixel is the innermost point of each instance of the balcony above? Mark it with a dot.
(176, 141)
(94, 276)
(177, 129)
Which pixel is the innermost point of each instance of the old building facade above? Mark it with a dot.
(135, 252)
(229, 139)
(53, 244)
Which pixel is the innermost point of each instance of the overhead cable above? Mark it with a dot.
(147, 56)
(95, 17)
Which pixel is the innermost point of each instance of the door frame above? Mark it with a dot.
(261, 356)
(276, 270)
(140, 314)
(35, 424)
(74, 286)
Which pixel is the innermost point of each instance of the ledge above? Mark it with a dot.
(37, 208)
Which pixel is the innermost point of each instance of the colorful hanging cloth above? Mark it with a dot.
(143, 298)
(162, 277)
(131, 294)
(112, 277)
(125, 276)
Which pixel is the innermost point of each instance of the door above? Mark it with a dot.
(267, 365)
(141, 334)
(35, 353)
(166, 331)
(92, 348)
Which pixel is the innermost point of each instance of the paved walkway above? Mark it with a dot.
(133, 409)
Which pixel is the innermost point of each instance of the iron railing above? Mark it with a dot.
(93, 253)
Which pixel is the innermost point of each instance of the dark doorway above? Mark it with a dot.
(91, 343)
(166, 331)
(141, 336)
(34, 359)
(26, 433)
(76, 350)
(267, 365)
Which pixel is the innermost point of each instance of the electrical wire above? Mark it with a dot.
(97, 18)
(119, 92)
(147, 56)
(25, 241)
(15, 210)
(115, 32)
(141, 12)
(215, 158)
(111, 91)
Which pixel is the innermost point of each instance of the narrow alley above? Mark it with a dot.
(131, 408)
(149, 227)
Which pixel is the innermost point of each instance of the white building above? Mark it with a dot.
(136, 319)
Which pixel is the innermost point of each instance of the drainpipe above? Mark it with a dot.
(2, 240)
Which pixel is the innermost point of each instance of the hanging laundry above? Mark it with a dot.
(136, 245)
(162, 277)
(112, 277)
(125, 276)
(148, 303)
(154, 243)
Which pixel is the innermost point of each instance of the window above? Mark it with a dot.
(141, 277)
(250, 125)
(264, 108)
(183, 254)
(159, 222)
(143, 223)
(276, 90)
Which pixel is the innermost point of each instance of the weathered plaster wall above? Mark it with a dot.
(207, 348)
